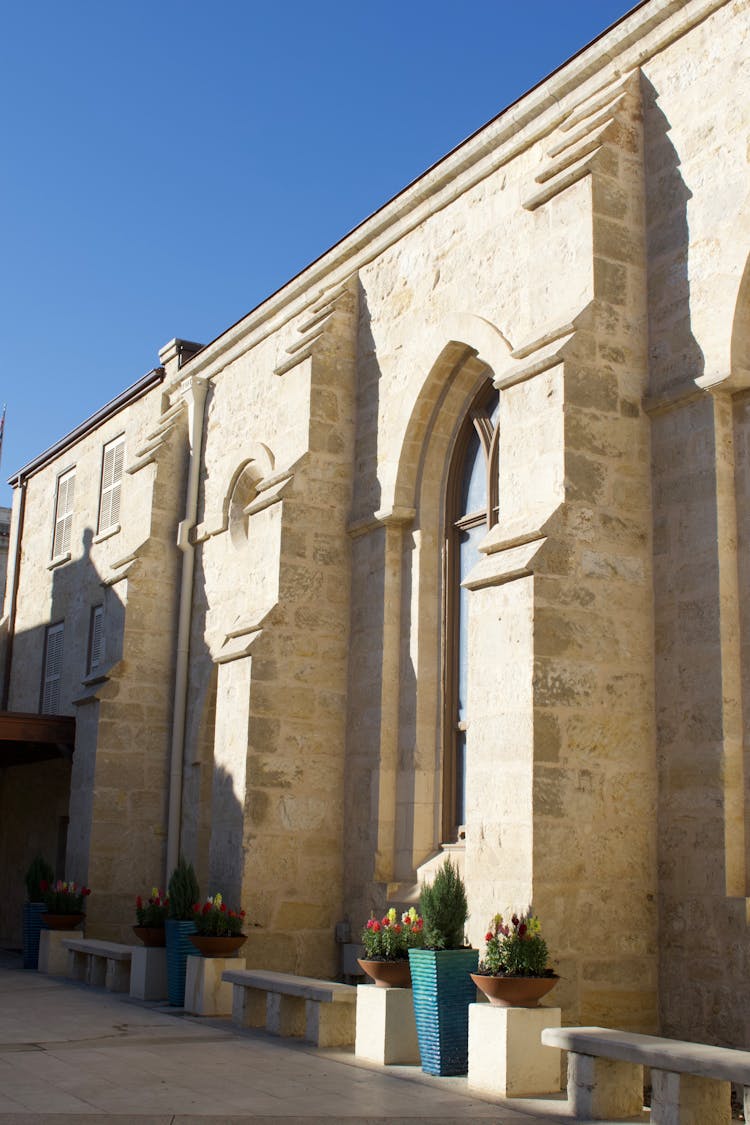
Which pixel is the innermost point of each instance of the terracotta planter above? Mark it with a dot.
(387, 974)
(153, 936)
(62, 921)
(514, 992)
(209, 946)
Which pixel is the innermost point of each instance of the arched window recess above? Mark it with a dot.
(472, 503)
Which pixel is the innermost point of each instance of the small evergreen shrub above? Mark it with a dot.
(444, 909)
(39, 872)
(183, 891)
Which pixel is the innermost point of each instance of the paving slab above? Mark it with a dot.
(70, 1053)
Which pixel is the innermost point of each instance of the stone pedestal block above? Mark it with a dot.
(206, 994)
(686, 1099)
(53, 956)
(601, 1088)
(385, 1029)
(148, 973)
(506, 1054)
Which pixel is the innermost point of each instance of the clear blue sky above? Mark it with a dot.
(168, 165)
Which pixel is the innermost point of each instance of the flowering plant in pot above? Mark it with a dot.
(387, 943)
(151, 916)
(218, 930)
(441, 983)
(39, 871)
(64, 901)
(514, 970)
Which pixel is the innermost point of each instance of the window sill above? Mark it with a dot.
(59, 560)
(106, 534)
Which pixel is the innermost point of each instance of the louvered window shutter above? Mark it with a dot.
(96, 638)
(52, 670)
(66, 487)
(112, 466)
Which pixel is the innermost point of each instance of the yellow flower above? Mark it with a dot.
(392, 915)
(154, 892)
(217, 900)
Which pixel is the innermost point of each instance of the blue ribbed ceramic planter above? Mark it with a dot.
(442, 991)
(178, 950)
(31, 927)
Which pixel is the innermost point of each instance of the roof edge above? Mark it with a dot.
(130, 394)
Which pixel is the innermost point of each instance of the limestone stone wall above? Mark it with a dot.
(587, 254)
(117, 787)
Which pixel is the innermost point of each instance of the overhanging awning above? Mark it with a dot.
(25, 739)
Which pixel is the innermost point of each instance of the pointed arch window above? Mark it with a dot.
(472, 509)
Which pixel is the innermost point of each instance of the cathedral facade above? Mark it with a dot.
(439, 549)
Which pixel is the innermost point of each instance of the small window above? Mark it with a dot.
(53, 658)
(113, 458)
(66, 487)
(96, 640)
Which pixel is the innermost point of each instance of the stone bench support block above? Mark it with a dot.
(248, 1007)
(148, 973)
(329, 1025)
(506, 1055)
(691, 1082)
(602, 1088)
(686, 1099)
(53, 955)
(102, 964)
(386, 1032)
(322, 1012)
(205, 992)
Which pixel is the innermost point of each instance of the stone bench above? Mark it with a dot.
(690, 1082)
(319, 1011)
(99, 963)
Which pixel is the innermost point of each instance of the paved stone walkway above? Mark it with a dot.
(70, 1053)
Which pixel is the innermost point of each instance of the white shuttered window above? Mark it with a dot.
(66, 488)
(96, 639)
(53, 657)
(112, 465)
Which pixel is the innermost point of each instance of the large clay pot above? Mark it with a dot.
(62, 921)
(211, 946)
(155, 937)
(387, 974)
(514, 992)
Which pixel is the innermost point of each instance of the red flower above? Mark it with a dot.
(384, 921)
(43, 884)
(522, 929)
(206, 907)
(242, 913)
(223, 908)
(139, 901)
(375, 926)
(85, 891)
(489, 935)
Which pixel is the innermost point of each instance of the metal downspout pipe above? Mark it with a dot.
(194, 393)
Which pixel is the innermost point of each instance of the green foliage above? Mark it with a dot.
(445, 909)
(153, 912)
(215, 919)
(39, 872)
(64, 897)
(390, 939)
(183, 891)
(518, 950)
